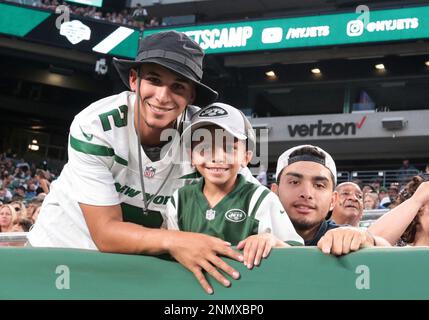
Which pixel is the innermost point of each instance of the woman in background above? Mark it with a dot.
(8, 217)
(408, 222)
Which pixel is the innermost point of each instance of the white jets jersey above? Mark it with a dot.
(103, 170)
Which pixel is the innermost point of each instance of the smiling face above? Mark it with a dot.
(218, 156)
(306, 191)
(348, 208)
(164, 95)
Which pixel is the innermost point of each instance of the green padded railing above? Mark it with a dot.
(292, 273)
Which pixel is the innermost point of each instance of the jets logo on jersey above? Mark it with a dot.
(149, 172)
(210, 214)
(213, 112)
(235, 215)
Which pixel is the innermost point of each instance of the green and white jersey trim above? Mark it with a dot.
(249, 209)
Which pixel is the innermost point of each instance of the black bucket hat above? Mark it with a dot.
(176, 52)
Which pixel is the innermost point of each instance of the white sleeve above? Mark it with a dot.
(248, 175)
(273, 219)
(90, 176)
(171, 218)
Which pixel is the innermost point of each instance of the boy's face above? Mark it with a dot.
(217, 155)
(306, 192)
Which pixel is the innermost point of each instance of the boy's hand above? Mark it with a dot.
(258, 246)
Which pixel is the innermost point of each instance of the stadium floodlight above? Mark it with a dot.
(380, 66)
(397, 123)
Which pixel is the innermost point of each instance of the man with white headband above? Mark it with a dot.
(306, 177)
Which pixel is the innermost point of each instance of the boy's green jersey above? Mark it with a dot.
(247, 210)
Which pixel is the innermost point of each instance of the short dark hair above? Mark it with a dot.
(25, 224)
(311, 151)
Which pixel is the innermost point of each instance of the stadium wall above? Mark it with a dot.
(293, 273)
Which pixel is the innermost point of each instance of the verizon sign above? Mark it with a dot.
(326, 129)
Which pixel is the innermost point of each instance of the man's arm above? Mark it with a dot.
(196, 252)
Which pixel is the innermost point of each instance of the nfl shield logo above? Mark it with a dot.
(149, 172)
(210, 214)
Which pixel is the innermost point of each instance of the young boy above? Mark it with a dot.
(223, 203)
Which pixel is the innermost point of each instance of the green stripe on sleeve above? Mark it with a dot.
(119, 160)
(96, 150)
(90, 148)
(258, 203)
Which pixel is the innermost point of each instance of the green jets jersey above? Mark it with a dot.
(247, 210)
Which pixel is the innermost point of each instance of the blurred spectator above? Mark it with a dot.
(348, 208)
(23, 225)
(376, 184)
(135, 17)
(20, 209)
(406, 171)
(44, 184)
(371, 201)
(31, 190)
(5, 195)
(140, 14)
(154, 22)
(367, 188)
(32, 206)
(20, 191)
(8, 217)
(383, 198)
(393, 191)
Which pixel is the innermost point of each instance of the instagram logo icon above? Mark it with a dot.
(355, 28)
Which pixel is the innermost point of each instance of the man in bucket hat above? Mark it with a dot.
(114, 189)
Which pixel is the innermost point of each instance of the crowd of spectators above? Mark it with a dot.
(23, 187)
(124, 17)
